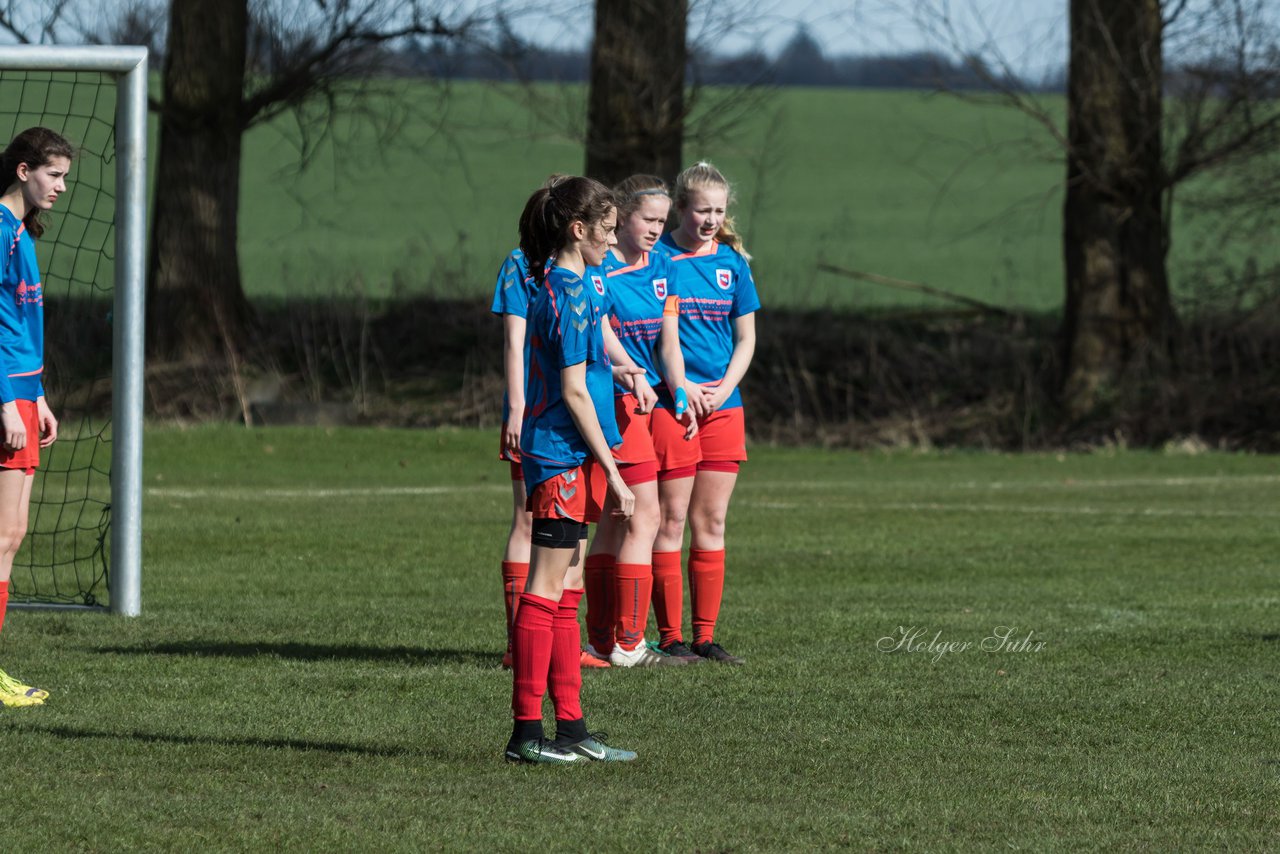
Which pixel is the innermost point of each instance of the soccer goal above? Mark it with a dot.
(84, 541)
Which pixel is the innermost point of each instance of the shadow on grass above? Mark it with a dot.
(298, 744)
(314, 652)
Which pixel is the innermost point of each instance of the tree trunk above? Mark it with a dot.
(635, 113)
(196, 305)
(1118, 316)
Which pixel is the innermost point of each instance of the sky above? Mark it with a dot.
(1030, 34)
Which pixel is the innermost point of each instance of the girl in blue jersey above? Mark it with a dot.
(568, 431)
(643, 309)
(718, 302)
(33, 171)
(512, 294)
(511, 297)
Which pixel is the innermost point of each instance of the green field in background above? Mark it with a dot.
(317, 664)
(418, 189)
(904, 184)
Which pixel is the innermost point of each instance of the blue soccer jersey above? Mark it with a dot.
(639, 295)
(21, 313)
(511, 295)
(564, 329)
(715, 288)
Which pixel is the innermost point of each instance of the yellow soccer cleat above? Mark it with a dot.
(18, 701)
(11, 686)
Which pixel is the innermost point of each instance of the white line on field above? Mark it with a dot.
(748, 485)
(1080, 511)
(996, 485)
(352, 492)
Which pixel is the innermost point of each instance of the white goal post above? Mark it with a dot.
(128, 65)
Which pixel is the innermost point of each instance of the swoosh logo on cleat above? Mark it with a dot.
(588, 752)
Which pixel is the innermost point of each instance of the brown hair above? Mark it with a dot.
(35, 147)
(545, 221)
(703, 174)
(632, 191)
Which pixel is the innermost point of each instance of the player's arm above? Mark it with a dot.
(744, 348)
(573, 387)
(15, 432)
(513, 331)
(673, 370)
(48, 424)
(626, 372)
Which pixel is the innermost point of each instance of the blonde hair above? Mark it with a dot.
(702, 175)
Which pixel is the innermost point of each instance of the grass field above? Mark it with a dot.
(317, 664)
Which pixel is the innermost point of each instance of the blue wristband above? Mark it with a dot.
(682, 402)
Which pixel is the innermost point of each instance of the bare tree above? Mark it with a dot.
(1136, 131)
(635, 110)
(229, 66)
(1115, 228)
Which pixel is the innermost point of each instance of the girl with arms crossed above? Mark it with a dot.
(33, 171)
(568, 430)
(718, 302)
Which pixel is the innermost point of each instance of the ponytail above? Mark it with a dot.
(547, 215)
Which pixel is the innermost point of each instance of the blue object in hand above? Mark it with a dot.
(682, 402)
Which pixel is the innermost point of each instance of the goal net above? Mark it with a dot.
(83, 536)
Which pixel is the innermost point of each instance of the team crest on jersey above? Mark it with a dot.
(660, 288)
(598, 281)
(724, 278)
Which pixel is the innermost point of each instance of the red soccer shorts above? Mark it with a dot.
(28, 458)
(723, 435)
(673, 450)
(577, 494)
(637, 444)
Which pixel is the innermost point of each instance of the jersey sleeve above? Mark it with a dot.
(575, 327)
(510, 296)
(745, 298)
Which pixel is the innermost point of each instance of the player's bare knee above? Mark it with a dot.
(11, 539)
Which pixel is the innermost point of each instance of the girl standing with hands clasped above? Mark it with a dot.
(643, 307)
(33, 171)
(568, 430)
(718, 302)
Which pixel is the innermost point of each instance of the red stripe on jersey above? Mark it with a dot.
(639, 265)
(709, 249)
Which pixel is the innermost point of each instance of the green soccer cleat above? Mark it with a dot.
(540, 751)
(9, 685)
(595, 749)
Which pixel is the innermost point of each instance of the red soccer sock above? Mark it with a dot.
(514, 576)
(668, 596)
(531, 655)
(600, 618)
(706, 588)
(4, 600)
(566, 671)
(633, 585)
